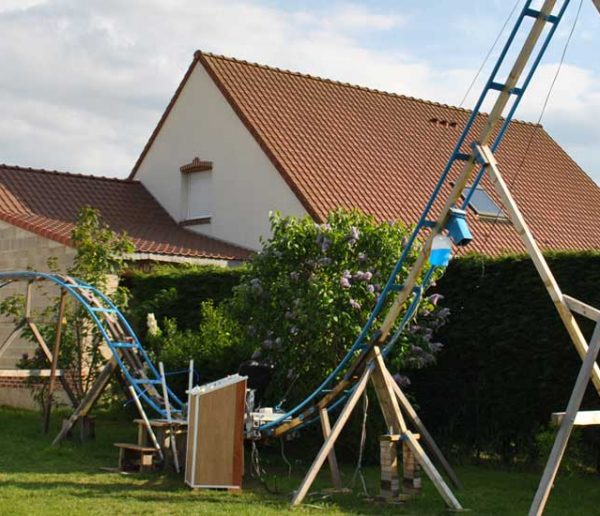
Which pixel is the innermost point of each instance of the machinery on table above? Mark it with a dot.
(442, 220)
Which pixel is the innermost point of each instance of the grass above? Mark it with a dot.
(36, 478)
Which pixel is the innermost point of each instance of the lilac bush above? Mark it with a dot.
(307, 294)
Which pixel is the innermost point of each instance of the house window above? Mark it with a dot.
(483, 204)
(198, 192)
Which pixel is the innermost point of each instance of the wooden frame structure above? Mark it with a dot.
(566, 307)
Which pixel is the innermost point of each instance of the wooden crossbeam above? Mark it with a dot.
(582, 418)
(336, 479)
(55, 352)
(28, 373)
(581, 308)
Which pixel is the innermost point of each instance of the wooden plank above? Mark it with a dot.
(28, 373)
(55, 352)
(564, 432)
(216, 436)
(335, 432)
(412, 415)
(89, 399)
(582, 308)
(336, 479)
(583, 418)
(538, 259)
(432, 473)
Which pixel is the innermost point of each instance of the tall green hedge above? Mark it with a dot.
(177, 292)
(508, 362)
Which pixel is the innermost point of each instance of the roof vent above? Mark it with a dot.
(443, 123)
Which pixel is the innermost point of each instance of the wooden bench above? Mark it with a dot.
(133, 457)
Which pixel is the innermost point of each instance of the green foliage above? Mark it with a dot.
(509, 362)
(176, 292)
(305, 297)
(217, 346)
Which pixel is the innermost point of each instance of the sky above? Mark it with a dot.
(84, 82)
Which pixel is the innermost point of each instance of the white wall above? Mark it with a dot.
(245, 184)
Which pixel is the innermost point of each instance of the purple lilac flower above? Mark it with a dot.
(324, 261)
(294, 275)
(443, 313)
(435, 298)
(294, 330)
(367, 276)
(325, 244)
(355, 304)
(436, 347)
(346, 274)
(362, 257)
(278, 342)
(267, 344)
(358, 275)
(256, 355)
(401, 380)
(289, 314)
(344, 282)
(371, 289)
(403, 242)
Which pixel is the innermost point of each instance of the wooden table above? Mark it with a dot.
(162, 430)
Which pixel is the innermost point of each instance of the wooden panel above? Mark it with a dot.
(216, 455)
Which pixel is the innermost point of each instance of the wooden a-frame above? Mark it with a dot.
(390, 398)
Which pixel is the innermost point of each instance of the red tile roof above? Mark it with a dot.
(342, 145)
(47, 203)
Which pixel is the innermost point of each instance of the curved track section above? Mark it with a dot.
(132, 359)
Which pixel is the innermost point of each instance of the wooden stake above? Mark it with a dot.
(333, 464)
(55, 351)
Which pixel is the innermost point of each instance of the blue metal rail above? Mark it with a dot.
(133, 360)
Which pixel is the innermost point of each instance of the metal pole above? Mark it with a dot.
(163, 380)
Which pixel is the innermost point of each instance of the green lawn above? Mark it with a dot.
(36, 478)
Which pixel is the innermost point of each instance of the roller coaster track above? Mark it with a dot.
(128, 354)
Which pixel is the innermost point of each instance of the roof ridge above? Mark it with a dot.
(65, 173)
(317, 78)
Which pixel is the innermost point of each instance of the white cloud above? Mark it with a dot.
(84, 83)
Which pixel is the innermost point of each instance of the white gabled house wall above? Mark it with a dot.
(244, 182)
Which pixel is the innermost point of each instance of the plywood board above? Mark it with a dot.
(215, 454)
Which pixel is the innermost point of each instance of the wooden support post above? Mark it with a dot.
(42, 343)
(385, 395)
(564, 432)
(55, 352)
(330, 441)
(333, 464)
(412, 415)
(88, 400)
(538, 259)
